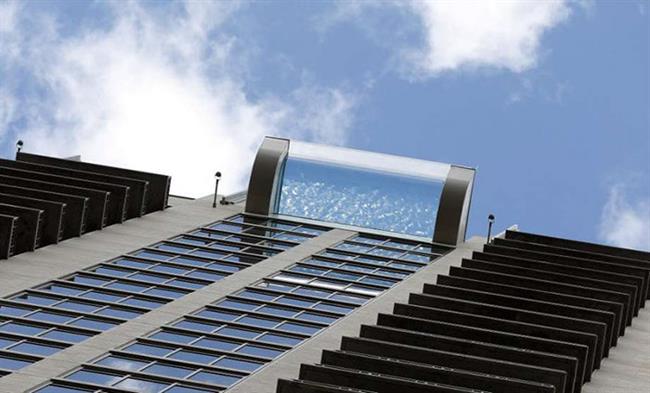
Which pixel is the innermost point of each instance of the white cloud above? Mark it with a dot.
(159, 91)
(456, 35)
(471, 34)
(626, 223)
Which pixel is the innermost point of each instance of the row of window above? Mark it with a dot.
(220, 344)
(65, 311)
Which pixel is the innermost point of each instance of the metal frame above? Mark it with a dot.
(266, 171)
(453, 209)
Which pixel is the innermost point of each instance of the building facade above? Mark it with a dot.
(337, 271)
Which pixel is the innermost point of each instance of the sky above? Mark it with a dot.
(549, 100)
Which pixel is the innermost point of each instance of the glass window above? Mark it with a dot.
(10, 363)
(237, 332)
(142, 385)
(333, 308)
(185, 389)
(308, 316)
(128, 287)
(19, 328)
(95, 281)
(214, 343)
(132, 263)
(238, 364)
(194, 357)
(36, 349)
(5, 342)
(226, 227)
(78, 306)
(95, 324)
(242, 259)
(61, 389)
(190, 261)
(65, 336)
(173, 248)
(50, 317)
(94, 377)
(255, 350)
(214, 378)
(152, 255)
(218, 315)
(298, 328)
(199, 326)
(173, 337)
(35, 299)
(256, 295)
(179, 271)
(417, 258)
(119, 313)
(279, 339)
(364, 189)
(291, 301)
(239, 305)
(206, 275)
(122, 363)
(103, 296)
(191, 240)
(148, 278)
(185, 284)
(224, 267)
(108, 271)
(278, 311)
(349, 298)
(142, 303)
(164, 292)
(63, 289)
(148, 349)
(13, 311)
(169, 371)
(258, 322)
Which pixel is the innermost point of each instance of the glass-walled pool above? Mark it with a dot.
(362, 189)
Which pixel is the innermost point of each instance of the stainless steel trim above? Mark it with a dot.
(264, 175)
(453, 209)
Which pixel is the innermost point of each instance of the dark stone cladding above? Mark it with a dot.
(530, 313)
(44, 200)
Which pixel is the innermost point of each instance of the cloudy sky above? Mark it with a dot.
(548, 99)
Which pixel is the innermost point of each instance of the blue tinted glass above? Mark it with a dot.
(89, 280)
(173, 248)
(216, 344)
(224, 267)
(147, 349)
(65, 336)
(78, 306)
(227, 227)
(148, 278)
(277, 311)
(214, 378)
(316, 318)
(239, 305)
(170, 269)
(333, 308)
(242, 259)
(218, 315)
(256, 295)
(235, 332)
(370, 197)
(378, 282)
(193, 325)
(61, 389)
(184, 389)
(194, 357)
(210, 234)
(112, 272)
(122, 363)
(209, 254)
(206, 275)
(191, 240)
(255, 350)
(257, 322)
(119, 313)
(142, 303)
(349, 298)
(185, 284)
(123, 286)
(170, 371)
(142, 385)
(173, 337)
(279, 339)
(4, 342)
(226, 246)
(417, 258)
(64, 290)
(36, 299)
(13, 311)
(94, 324)
(20, 328)
(94, 377)
(50, 317)
(152, 255)
(132, 263)
(168, 293)
(107, 297)
(36, 349)
(298, 328)
(190, 261)
(290, 301)
(8, 363)
(238, 364)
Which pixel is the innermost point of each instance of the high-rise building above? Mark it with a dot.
(337, 270)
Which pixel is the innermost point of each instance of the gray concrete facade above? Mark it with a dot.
(288, 366)
(41, 372)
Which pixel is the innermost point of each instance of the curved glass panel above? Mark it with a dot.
(362, 189)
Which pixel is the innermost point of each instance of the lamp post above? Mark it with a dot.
(490, 222)
(216, 187)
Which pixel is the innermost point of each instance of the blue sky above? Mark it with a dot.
(549, 100)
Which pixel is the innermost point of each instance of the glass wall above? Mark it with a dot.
(361, 189)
